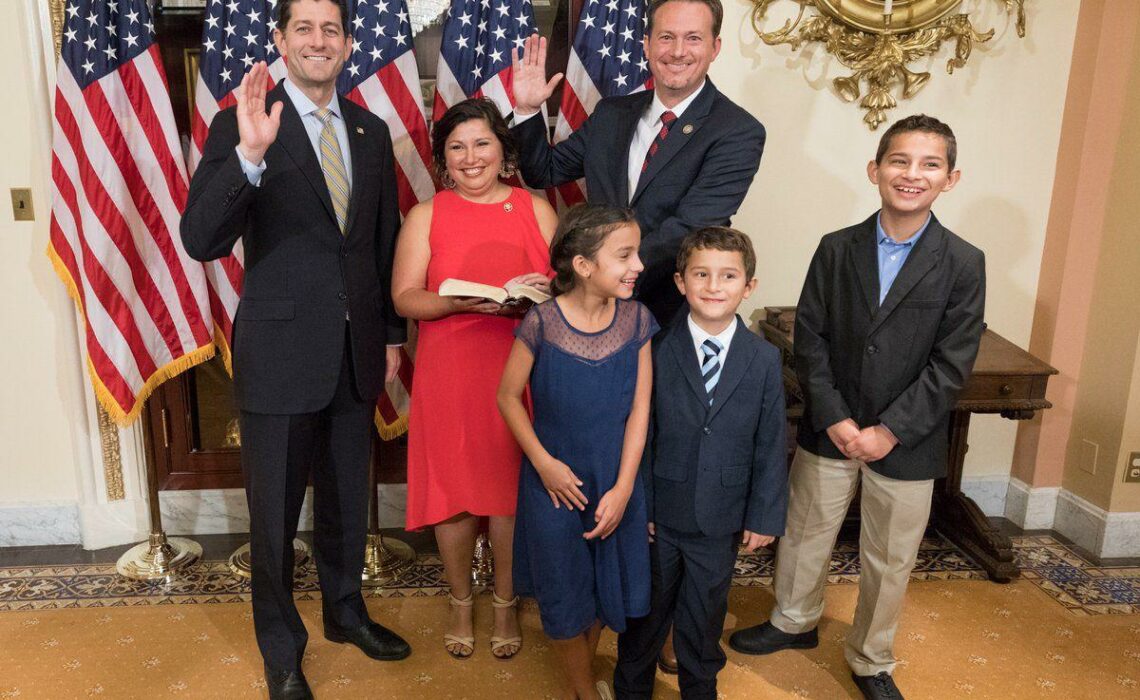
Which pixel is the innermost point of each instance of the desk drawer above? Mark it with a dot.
(997, 388)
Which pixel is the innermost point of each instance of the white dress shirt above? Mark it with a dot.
(647, 129)
(313, 127)
(700, 335)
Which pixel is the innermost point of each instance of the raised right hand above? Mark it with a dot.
(528, 76)
(562, 485)
(256, 129)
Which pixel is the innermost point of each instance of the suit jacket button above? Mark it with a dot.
(706, 430)
(342, 296)
(872, 349)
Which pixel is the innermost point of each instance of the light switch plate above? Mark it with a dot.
(22, 209)
(1132, 469)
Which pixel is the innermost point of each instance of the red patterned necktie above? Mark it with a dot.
(667, 119)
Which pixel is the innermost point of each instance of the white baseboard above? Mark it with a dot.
(1031, 508)
(989, 492)
(224, 511)
(196, 512)
(28, 524)
(1102, 533)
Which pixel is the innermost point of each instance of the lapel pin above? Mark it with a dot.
(360, 129)
(688, 129)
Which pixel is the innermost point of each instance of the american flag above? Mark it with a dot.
(380, 75)
(607, 60)
(475, 56)
(119, 186)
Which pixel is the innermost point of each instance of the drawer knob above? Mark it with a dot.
(1005, 390)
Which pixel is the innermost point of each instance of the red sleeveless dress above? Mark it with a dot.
(461, 455)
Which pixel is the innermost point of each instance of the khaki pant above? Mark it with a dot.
(893, 518)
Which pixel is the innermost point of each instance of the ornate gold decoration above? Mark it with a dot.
(112, 456)
(877, 47)
(57, 8)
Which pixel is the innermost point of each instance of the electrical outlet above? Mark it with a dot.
(1088, 454)
(22, 204)
(1132, 469)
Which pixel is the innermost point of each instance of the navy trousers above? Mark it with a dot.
(691, 575)
(279, 451)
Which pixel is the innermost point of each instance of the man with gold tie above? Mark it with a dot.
(306, 180)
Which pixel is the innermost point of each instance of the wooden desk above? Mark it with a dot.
(1006, 380)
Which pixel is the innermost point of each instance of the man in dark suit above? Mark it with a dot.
(307, 182)
(714, 466)
(887, 329)
(705, 148)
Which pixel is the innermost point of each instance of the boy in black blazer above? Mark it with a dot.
(714, 464)
(887, 329)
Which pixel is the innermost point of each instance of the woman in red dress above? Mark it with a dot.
(463, 462)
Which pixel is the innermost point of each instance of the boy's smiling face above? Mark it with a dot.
(714, 283)
(912, 173)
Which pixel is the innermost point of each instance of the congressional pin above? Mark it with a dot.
(688, 129)
(360, 129)
(508, 207)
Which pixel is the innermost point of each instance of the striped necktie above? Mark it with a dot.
(332, 164)
(710, 366)
(667, 119)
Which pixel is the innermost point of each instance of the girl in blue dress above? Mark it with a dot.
(581, 546)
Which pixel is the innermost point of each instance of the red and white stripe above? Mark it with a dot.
(119, 187)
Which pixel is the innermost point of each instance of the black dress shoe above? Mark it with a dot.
(668, 665)
(374, 640)
(287, 685)
(877, 687)
(766, 638)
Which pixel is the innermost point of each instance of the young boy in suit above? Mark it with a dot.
(714, 464)
(887, 329)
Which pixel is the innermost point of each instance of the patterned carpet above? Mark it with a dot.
(1058, 632)
(1055, 568)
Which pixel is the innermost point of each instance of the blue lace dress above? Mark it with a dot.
(582, 388)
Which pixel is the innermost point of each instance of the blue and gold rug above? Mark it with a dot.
(1055, 568)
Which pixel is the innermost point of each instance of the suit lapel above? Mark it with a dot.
(627, 127)
(736, 363)
(926, 254)
(295, 140)
(356, 136)
(679, 135)
(680, 343)
(865, 258)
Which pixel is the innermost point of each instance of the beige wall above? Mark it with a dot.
(1005, 108)
(39, 371)
(1109, 378)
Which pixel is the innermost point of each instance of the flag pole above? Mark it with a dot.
(384, 560)
(160, 557)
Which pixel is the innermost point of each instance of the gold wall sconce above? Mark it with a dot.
(878, 39)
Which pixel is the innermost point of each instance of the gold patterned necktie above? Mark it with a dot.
(332, 163)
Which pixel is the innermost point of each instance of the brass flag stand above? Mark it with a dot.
(384, 560)
(160, 558)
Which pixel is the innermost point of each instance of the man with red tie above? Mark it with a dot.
(682, 155)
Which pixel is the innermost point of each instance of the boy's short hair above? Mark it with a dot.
(718, 238)
(926, 124)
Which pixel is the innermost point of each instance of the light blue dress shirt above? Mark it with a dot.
(313, 127)
(892, 255)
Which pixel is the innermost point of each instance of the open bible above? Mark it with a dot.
(514, 292)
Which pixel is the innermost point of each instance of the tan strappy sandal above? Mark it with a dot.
(505, 647)
(460, 647)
